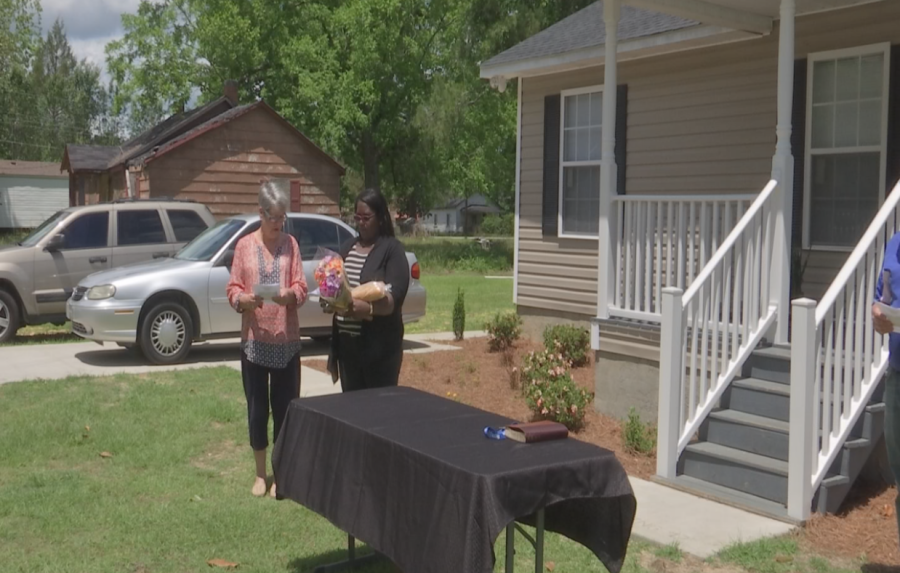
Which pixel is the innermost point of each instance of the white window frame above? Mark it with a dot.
(563, 164)
(885, 49)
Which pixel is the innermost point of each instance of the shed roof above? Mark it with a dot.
(30, 168)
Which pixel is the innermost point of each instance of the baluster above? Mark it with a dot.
(694, 311)
(629, 223)
(648, 264)
(716, 318)
(682, 245)
(671, 265)
(838, 365)
(860, 305)
(737, 303)
(871, 262)
(828, 382)
(849, 328)
(620, 263)
(638, 256)
(692, 243)
(659, 274)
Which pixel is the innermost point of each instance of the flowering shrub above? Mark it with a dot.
(503, 331)
(571, 341)
(550, 392)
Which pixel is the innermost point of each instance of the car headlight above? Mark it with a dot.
(101, 292)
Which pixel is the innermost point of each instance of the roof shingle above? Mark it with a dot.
(586, 29)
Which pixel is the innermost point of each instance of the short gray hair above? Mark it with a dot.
(274, 193)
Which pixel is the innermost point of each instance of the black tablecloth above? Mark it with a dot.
(413, 475)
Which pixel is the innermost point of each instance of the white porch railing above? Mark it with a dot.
(710, 330)
(837, 361)
(665, 242)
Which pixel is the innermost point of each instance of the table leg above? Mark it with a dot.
(510, 547)
(539, 543)
(352, 562)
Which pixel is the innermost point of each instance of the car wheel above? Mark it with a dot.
(166, 333)
(130, 347)
(10, 317)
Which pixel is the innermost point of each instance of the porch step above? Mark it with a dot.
(771, 363)
(748, 432)
(743, 471)
(758, 397)
(728, 496)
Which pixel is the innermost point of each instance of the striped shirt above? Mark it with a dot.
(353, 266)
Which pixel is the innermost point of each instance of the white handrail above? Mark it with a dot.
(837, 361)
(729, 241)
(682, 198)
(709, 331)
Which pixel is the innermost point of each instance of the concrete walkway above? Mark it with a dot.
(665, 516)
(56, 361)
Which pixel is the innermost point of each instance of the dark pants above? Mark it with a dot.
(892, 427)
(285, 386)
(360, 370)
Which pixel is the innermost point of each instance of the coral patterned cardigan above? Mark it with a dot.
(270, 336)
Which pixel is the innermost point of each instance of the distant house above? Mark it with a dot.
(30, 191)
(215, 154)
(453, 217)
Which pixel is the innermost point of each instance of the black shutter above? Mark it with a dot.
(550, 215)
(621, 136)
(798, 148)
(893, 123)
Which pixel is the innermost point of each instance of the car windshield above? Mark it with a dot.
(205, 246)
(44, 229)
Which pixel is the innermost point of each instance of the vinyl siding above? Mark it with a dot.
(27, 201)
(699, 122)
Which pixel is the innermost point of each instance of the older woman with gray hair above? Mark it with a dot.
(267, 264)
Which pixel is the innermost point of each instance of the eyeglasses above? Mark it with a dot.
(363, 218)
(273, 220)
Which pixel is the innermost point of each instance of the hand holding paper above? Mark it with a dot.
(889, 313)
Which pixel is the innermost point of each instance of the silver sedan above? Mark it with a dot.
(162, 307)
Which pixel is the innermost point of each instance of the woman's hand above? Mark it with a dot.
(361, 310)
(883, 324)
(285, 298)
(250, 301)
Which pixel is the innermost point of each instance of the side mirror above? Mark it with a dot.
(228, 258)
(56, 243)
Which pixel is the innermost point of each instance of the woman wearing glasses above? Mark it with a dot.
(367, 344)
(270, 331)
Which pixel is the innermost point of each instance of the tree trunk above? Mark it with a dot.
(371, 176)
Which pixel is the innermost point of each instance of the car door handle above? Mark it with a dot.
(97, 260)
(161, 255)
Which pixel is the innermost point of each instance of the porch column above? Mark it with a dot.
(783, 172)
(608, 228)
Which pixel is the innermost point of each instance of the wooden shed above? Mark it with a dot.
(215, 155)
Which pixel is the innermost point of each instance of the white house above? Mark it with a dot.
(672, 157)
(30, 191)
(453, 217)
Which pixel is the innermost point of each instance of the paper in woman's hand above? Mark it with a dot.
(267, 292)
(891, 313)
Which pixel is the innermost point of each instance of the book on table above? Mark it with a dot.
(532, 432)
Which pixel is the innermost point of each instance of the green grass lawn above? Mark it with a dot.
(484, 298)
(438, 255)
(174, 494)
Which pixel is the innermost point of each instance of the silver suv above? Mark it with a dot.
(38, 275)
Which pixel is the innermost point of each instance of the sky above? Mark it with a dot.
(89, 24)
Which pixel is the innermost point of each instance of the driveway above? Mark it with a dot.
(56, 361)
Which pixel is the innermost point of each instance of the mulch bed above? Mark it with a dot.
(866, 526)
(479, 378)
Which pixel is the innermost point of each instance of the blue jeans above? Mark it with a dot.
(892, 428)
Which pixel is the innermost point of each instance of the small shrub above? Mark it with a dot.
(550, 392)
(459, 315)
(571, 341)
(499, 225)
(639, 438)
(503, 331)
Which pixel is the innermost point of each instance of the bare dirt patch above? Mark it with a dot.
(214, 458)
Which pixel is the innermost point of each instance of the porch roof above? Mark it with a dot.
(646, 28)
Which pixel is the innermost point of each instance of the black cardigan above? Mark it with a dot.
(383, 335)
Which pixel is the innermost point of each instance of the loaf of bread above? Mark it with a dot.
(371, 292)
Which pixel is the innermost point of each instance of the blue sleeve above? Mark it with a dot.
(891, 252)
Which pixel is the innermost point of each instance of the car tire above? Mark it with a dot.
(166, 333)
(10, 317)
(132, 348)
